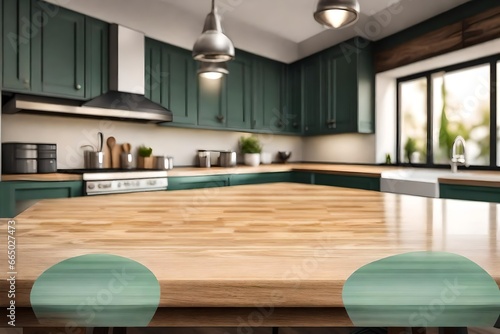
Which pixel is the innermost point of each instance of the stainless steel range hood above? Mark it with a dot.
(125, 99)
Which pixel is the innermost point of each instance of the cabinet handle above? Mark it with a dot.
(332, 124)
(26, 83)
(279, 124)
(78, 87)
(295, 125)
(220, 118)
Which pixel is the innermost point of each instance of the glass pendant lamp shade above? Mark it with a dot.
(337, 13)
(213, 45)
(212, 70)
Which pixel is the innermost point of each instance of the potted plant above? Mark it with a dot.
(410, 148)
(145, 159)
(251, 149)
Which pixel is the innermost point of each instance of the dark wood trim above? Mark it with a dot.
(482, 27)
(474, 30)
(426, 46)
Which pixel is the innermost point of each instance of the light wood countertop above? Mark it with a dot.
(42, 177)
(240, 245)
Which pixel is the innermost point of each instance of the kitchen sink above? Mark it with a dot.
(420, 182)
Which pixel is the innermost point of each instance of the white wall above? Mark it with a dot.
(175, 26)
(346, 148)
(71, 133)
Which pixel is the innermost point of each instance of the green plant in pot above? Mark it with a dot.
(251, 148)
(145, 159)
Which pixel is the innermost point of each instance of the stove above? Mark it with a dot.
(114, 181)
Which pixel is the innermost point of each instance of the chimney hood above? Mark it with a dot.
(125, 99)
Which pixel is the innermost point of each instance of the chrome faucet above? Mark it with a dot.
(458, 159)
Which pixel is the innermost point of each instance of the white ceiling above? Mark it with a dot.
(292, 19)
(284, 30)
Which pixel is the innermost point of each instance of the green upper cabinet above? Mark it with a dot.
(52, 51)
(237, 99)
(16, 36)
(339, 89)
(58, 62)
(96, 57)
(312, 93)
(211, 108)
(293, 111)
(171, 81)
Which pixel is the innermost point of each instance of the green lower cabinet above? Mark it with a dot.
(303, 177)
(259, 178)
(347, 181)
(16, 196)
(197, 182)
(470, 193)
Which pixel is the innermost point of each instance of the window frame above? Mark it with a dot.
(492, 61)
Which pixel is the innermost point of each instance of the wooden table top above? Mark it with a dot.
(240, 245)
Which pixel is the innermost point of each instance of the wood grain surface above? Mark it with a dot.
(482, 27)
(289, 245)
(42, 177)
(434, 43)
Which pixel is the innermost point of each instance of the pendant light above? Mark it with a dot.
(212, 70)
(213, 45)
(337, 13)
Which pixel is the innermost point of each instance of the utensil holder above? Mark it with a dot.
(127, 160)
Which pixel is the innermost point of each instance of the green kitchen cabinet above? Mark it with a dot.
(237, 93)
(312, 95)
(227, 102)
(198, 182)
(260, 178)
(348, 181)
(52, 51)
(16, 45)
(171, 81)
(470, 193)
(270, 94)
(58, 51)
(293, 111)
(339, 89)
(303, 177)
(16, 196)
(96, 57)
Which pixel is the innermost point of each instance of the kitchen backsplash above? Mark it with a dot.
(71, 133)
(344, 148)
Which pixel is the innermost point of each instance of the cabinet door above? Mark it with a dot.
(197, 182)
(273, 96)
(16, 37)
(312, 94)
(97, 57)
(182, 88)
(58, 52)
(211, 109)
(238, 93)
(242, 179)
(293, 112)
(171, 81)
(340, 99)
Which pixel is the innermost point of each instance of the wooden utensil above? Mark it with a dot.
(127, 148)
(115, 158)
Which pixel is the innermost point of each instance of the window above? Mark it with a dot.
(413, 106)
(437, 106)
